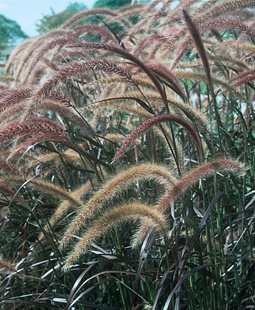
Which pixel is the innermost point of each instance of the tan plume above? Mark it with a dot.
(112, 217)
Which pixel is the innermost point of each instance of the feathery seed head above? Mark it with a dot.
(186, 181)
(109, 219)
(117, 184)
(7, 266)
(150, 122)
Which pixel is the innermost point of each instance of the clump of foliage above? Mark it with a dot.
(127, 163)
(112, 4)
(10, 32)
(54, 20)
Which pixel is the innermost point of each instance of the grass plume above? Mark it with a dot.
(188, 180)
(7, 266)
(43, 185)
(116, 185)
(34, 125)
(67, 204)
(111, 218)
(150, 122)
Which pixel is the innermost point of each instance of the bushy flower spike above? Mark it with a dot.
(66, 205)
(151, 122)
(77, 67)
(110, 219)
(115, 185)
(38, 138)
(44, 185)
(189, 179)
(14, 97)
(31, 126)
(7, 266)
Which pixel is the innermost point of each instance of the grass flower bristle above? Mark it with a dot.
(112, 217)
(116, 185)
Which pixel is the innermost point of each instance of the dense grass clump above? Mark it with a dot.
(127, 161)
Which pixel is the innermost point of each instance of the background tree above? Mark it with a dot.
(54, 20)
(10, 31)
(112, 4)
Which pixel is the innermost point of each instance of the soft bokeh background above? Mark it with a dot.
(28, 12)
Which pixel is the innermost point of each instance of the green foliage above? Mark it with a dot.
(10, 31)
(116, 28)
(53, 20)
(111, 4)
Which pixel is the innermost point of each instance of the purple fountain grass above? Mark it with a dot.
(204, 7)
(39, 73)
(68, 71)
(243, 77)
(126, 55)
(32, 126)
(66, 100)
(35, 139)
(167, 41)
(65, 56)
(161, 15)
(5, 91)
(163, 72)
(68, 156)
(117, 184)
(236, 45)
(81, 96)
(140, 25)
(222, 8)
(185, 182)
(14, 96)
(203, 55)
(133, 7)
(200, 48)
(37, 49)
(228, 22)
(16, 55)
(60, 37)
(44, 186)
(124, 13)
(48, 46)
(7, 167)
(221, 59)
(79, 67)
(203, 170)
(116, 14)
(48, 64)
(66, 205)
(244, 80)
(14, 112)
(219, 23)
(110, 218)
(192, 75)
(63, 107)
(7, 266)
(151, 122)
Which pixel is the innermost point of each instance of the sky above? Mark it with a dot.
(27, 12)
